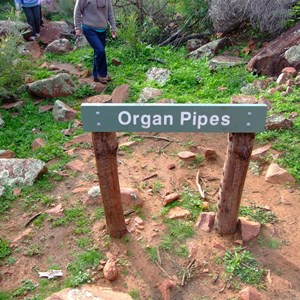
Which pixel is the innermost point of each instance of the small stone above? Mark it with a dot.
(178, 213)
(170, 198)
(75, 165)
(249, 229)
(38, 143)
(55, 211)
(260, 153)
(110, 270)
(131, 198)
(7, 154)
(115, 62)
(206, 221)
(277, 175)
(138, 220)
(283, 78)
(128, 144)
(289, 70)
(171, 166)
(186, 155)
(94, 191)
(45, 108)
(249, 293)
(21, 236)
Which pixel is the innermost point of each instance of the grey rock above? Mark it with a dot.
(59, 85)
(160, 75)
(292, 55)
(94, 191)
(1, 122)
(194, 44)
(15, 28)
(210, 49)
(62, 112)
(15, 172)
(149, 93)
(225, 61)
(59, 46)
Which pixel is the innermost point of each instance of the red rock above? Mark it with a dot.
(55, 211)
(131, 198)
(289, 70)
(14, 105)
(37, 143)
(186, 155)
(208, 153)
(275, 174)
(17, 191)
(165, 287)
(270, 60)
(178, 213)
(249, 293)
(110, 270)
(260, 153)
(115, 62)
(45, 108)
(7, 154)
(75, 165)
(249, 229)
(171, 166)
(170, 198)
(283, 78)
(80, 139)
(120, 93)
(206, 221)
(21, 236)
(138, 220)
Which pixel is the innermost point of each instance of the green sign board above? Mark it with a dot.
(115, 117)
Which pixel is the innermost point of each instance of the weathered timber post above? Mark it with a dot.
(234, 174)
(105, 148)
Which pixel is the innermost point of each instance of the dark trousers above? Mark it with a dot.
(33, 15)
(97, 41)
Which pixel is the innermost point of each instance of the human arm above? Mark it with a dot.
(18, 5)
(78, 17)
(111, 19)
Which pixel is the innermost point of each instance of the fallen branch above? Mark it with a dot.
(150, 176)
(158, 256)
(199, 186)
(163, 270)
(155, 138)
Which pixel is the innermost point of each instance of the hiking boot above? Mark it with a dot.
(100, 79)
(108, 78)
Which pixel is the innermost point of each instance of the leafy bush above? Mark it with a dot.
(267, 16)
(13, 69)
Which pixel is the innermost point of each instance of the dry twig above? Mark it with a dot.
(199, 186)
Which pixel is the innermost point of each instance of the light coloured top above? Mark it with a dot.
(26, 3)
(94, 13)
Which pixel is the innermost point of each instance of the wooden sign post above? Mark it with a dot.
(240, 120)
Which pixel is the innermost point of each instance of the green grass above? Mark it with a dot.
(258, 214)
(178, 231)
(26, 287)
(4, 249)
(240, 264)
(190, 200)
(6, 199)
(78, 269)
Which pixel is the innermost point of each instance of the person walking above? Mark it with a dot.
(32, 9)
(91, 18)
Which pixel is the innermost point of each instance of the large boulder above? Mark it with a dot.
(56, 86)
(59, 46)
(15, 28)
(14, 171)
(278, 54)
(56, 30)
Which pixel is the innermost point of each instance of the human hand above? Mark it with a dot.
(113, 34)
(78, 32)
(18, 11)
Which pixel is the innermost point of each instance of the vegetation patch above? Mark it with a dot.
(240, 263)
(258, 214)
(4, 249)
